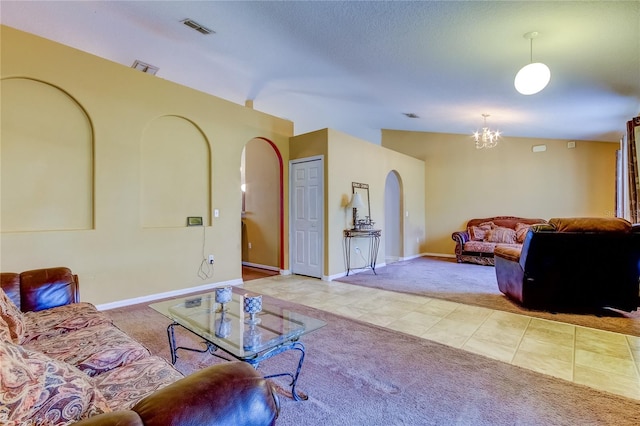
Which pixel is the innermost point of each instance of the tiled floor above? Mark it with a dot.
(599, 359)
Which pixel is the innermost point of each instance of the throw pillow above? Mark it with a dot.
(478, 233)
(12, 316)
(501, 235)
(38, 390)
(521, 232)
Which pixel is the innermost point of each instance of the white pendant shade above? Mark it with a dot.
(532, 78)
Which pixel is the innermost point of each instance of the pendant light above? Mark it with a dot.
(534, 77)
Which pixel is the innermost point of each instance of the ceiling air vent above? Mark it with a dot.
(141, 66)
(200, 28)
(411, 115)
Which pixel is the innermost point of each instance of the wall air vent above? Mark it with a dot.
(200, 28)
(141, 66)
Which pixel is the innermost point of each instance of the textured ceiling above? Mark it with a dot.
(358, 66)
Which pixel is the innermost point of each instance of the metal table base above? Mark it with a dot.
(253, 361)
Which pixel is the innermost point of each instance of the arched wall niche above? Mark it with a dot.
(393, 217)
(47, 161)
(175, 164)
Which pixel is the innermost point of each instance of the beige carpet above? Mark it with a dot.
(471, 284)
(359, 374)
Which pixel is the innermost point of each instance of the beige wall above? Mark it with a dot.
(462, 182)
(349, 159)
(115, 255)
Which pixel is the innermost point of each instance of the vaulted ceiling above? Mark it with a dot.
(359, 66)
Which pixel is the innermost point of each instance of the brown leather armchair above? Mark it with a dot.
(232, 393)
(574, 265)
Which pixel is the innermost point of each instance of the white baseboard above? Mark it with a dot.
(259, 266)
(173, 293)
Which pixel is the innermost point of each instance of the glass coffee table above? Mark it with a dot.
(227, 327)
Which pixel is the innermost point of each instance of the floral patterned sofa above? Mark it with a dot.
(478, 241)
(62, 361)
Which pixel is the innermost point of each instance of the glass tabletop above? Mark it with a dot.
(231, 328)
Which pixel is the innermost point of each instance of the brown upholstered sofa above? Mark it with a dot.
(478, 241)
(574, 265)
(63, 361)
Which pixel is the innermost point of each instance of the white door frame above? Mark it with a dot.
(322, 202)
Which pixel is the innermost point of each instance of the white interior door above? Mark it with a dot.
(307, 196)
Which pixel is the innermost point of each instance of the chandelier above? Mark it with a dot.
(534, 77)
(486, 138)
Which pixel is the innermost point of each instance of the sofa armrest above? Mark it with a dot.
(460, 237)
(231, 393)
(48, 288)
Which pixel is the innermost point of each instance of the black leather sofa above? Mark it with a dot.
(583, 265)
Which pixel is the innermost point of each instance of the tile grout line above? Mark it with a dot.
(520, 341)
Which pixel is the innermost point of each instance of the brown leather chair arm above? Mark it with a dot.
(231, 393)
(115, 418)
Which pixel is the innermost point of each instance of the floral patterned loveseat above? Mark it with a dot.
(63, 361)
(481, 236)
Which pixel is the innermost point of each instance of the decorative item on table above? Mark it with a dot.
(252, 337)
(222, 325)
(223, 296)
(364, 224)
(252, 305)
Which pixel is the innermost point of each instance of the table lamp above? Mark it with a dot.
(356, 203)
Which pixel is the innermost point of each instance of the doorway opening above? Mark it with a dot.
(262, 210)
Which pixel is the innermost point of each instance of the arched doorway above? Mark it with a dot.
(393, 218)
(262, 209)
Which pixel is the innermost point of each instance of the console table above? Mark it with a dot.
(373, 235)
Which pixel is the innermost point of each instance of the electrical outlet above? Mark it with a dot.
(211, 259)
(357, 249)
(249, 246)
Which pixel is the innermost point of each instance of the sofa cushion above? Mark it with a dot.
(591, 224)
(500, 234)
(93, 350)
(62, 319)
(13, 317)
(479, 246)
(521, 231)
(124, 386)
(37, 390)
(508, 252)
